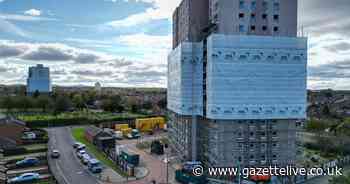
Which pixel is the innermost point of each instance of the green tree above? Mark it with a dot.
(8, 104)
(44, 103)
(62, 104)
(78, 101)
(36, 94)
(24, 103)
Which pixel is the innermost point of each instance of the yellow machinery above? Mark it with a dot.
(119, 127)
(150, 124)
(126, 131)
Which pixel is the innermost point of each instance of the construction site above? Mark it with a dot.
(236, 91)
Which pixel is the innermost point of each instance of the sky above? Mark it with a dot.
(125, 43)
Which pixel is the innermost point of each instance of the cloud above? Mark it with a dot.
(10, 51)
(145, 41)
(33, 12)
(339, 47)
(92, 73)
(53, 52)
(25, 18)
(10, 28)
(161, 9)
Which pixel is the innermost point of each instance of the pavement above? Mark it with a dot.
(67, 169)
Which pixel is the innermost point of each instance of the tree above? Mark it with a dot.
(62, 104)
(8, 103)
(24, 103)
(43, 102)
(36, 94)
(78, 101)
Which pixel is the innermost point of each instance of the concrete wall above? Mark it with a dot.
(256, 77)
(226, 14)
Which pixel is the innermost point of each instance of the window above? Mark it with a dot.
(276, 6)
(241, 15)
(265, 4)
(264, 28)
(275, 29)
(252, 15)
(253, 5)
(276, 17)
(241, 28)
(264, 16)
(241, 4)
(252, 28)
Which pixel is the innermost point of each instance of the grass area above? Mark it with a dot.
(35, 146)
(73, 118)
(20, 157)
(78, 134)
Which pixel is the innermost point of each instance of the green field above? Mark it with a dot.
(73, 118)
(78, 134)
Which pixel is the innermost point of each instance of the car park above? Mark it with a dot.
(27, 177)
(55, 154)
(27, 162)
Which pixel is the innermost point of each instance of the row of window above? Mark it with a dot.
(264, 16)
(253, 28)
(263, 158)
(253, 5)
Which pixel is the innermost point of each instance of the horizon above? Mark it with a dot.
(124, 43)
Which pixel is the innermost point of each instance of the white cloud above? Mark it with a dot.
(161, 9)
(16, 17)
(9, 28)
(33, 12)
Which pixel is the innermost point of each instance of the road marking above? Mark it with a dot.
(60, 170)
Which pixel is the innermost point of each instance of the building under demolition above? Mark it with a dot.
(235, 92)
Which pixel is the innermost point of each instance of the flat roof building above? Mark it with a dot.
(39, 80)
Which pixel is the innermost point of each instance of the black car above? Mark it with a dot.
(55, 154)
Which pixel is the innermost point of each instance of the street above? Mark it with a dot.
(67, 169)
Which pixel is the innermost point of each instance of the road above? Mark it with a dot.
(67, 169)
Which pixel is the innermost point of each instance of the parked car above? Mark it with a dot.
(55, 154)
(27, 177)
(81, 147)
(81, 153)
(28, 136)
(94, 166)
(85, 158)
(27, 162)
(76, 144)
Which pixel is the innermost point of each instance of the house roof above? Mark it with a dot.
(12, 121)
(93, 131)
(6, 143)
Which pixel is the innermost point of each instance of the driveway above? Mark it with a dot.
(67, 169)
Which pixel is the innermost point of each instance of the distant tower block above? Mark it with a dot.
(98, 87)
(39, 80)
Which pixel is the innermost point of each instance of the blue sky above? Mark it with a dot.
(125, 42)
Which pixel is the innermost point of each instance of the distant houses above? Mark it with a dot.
(11, 132)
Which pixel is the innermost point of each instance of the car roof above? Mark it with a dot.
(26, 174)
(86, 155)
(94, 161)
(55, 150)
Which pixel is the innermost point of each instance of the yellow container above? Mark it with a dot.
(149, 124)
(126, 131)
(121, 126)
